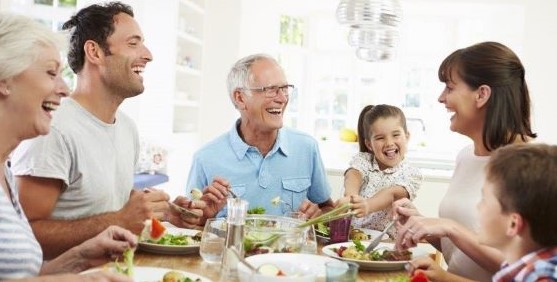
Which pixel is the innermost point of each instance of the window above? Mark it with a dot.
(334, 85)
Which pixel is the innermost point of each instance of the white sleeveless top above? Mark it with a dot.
(459, 204)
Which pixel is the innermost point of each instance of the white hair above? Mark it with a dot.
(240, 73)
(19, 38)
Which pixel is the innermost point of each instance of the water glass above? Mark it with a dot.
(213, 237)
(309, 244)
(341, 271)
(339, 230)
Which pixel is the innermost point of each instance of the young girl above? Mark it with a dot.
(378, 174)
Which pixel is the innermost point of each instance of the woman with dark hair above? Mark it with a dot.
(486, 91)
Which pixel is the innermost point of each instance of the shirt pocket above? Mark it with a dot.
(294, 192)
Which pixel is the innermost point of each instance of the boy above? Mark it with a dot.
(518, 214)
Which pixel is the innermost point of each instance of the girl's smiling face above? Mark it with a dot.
(388, 141)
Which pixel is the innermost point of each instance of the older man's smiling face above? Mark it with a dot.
(263, 113)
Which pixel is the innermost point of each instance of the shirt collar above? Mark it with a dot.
(509, 271)
(241, 148)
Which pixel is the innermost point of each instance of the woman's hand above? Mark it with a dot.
(106, 246)
(403, 209)
(418, 228)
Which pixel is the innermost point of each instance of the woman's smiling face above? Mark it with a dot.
(37, 91)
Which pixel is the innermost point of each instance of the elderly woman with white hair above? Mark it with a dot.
(31, 87)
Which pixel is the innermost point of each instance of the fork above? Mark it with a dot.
(183, 211)
(373, 244)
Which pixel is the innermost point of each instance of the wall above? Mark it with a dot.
(540, 60)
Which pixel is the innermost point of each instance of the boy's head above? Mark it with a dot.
(519, 197)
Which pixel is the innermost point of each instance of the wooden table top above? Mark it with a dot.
(194, 263)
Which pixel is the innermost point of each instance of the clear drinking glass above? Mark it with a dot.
(309, 244)
(213, 237)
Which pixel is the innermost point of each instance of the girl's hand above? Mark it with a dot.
(342, 201)
(359, 205)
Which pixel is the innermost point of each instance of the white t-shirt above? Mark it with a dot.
(95, 160)
(459, 204)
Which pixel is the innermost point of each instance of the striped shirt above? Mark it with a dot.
(537, 266)
(20, 253)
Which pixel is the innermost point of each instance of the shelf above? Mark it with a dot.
(188, 61)
(190, 38)
(188, 70)
(195, 7)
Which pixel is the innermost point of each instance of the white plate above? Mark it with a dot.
(370, 232)
(314, 262)
(151, 274)
(418, 251)
(172, 250)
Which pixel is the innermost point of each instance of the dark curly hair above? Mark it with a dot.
(95, 22)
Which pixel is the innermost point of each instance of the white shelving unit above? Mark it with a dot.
(188, 65)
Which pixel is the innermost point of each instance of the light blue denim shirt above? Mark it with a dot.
(293, 170)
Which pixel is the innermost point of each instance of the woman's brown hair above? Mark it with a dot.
(508, 109)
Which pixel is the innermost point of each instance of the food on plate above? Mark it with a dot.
(127, 267)
(357, 252)
(256, 210)
(175, 276)
(177, 240)
(153, 230)
(359, 235)
(157, 229)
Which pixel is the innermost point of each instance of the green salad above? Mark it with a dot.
(176, 240)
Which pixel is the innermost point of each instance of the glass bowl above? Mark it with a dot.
(274, 234)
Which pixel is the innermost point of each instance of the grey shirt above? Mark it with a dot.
(95, 160)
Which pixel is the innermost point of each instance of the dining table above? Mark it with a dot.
(194, 263)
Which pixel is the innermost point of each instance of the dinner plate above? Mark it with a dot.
(370, 232)
(169, 249)
(418, 251)
(151, 274)
(315, 263)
